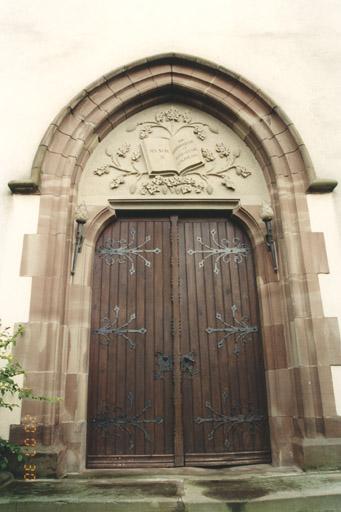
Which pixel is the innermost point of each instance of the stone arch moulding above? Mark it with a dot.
(115, 96)
(305, 428)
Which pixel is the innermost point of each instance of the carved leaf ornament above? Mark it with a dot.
(172, 136)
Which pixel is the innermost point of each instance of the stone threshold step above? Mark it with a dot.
(303, 504)
(304, 492)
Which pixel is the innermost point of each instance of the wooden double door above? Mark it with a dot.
(176, 369)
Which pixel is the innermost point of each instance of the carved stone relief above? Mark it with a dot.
(172, 150)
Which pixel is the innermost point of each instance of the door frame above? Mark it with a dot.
(304, 425)
(106, 216)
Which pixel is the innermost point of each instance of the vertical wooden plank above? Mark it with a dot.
(150, 326)
(142, 342)
(213, 285)
(167, 339)
(248, 351)
(199, 430)
(158, 405)
(130, 405)
(222, 296)
(200, 229)
(103, 349)
(236, 381)
(227, 356)
(178, 425)
(112, 356)
(187, 391)
(242, 359)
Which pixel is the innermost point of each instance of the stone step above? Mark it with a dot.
(217, 492)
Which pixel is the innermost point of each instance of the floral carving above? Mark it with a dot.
(173, 114)
(116, 182)
(199, 132)
(102, 170)
(136, 155)
(145, 132)
(219, 162)
(230, 164)
(223, 151)
(207, 154)
(172, 121)
(123, 150)
(178, 184)
(127, 168)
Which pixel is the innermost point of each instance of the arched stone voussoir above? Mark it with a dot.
(128, 88)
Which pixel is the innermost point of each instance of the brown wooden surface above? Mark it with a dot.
(232, 384)
(176, 300)
(122, 379)
(176, 331)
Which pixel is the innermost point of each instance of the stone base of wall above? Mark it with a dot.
(317, 453)
(50, 452)
(48, 462)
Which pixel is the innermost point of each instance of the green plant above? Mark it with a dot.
(10, 390)
(7, 448)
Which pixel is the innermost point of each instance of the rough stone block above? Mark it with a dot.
(281, 429)
(37, 257)
(280, 388)
(317, 453)
(270, 296)
(305, 294)
(275, 347)
(307, 391)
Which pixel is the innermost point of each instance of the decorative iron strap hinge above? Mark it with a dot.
(223, 250)
(123, 251)
(240, 329)
(110, 327)
(116, 418)
(251, 420)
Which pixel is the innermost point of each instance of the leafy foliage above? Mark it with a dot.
(7, 448)
(10, 390)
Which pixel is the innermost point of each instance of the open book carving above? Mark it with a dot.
(169, 156)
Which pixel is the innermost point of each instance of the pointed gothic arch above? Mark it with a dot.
(302, 410)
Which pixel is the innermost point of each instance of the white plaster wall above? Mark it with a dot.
(323, 216)
(336, 374)
(15, 291)
(50, 51)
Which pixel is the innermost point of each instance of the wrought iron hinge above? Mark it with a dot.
(241, 329)
(111, 327)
